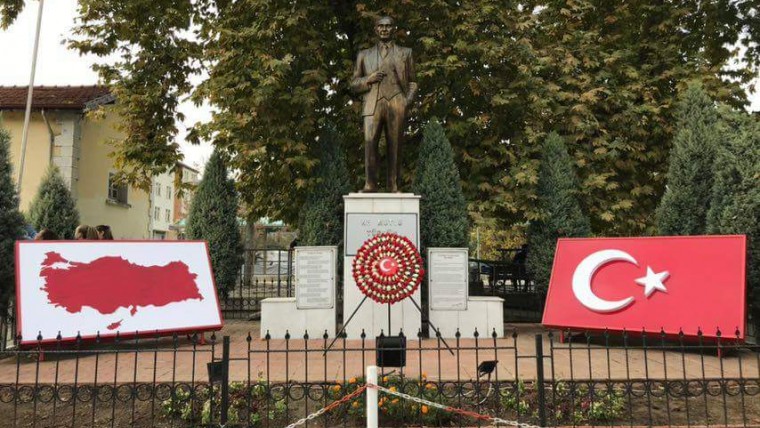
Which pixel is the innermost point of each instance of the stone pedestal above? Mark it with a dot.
(483, 313)
(280, 315)
(366, 215)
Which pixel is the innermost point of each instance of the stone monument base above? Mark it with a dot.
(366, 215)
(485, 314)
(279, 315)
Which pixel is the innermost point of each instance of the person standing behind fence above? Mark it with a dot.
(104, 232)
(85, 233)
(46, 235)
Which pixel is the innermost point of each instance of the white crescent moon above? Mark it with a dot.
(383, 267)
(586, 270)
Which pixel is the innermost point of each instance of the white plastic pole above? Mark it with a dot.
(372, 420)
(27, 115)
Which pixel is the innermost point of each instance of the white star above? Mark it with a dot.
(653, 281)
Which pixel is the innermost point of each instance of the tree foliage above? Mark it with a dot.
(443, 208)
(53, 207)
(213, 218)
(152, 41)
(683, 208)
(499, 73)
(561, 213)
(321, 218)
(735, 205)
(11, 224)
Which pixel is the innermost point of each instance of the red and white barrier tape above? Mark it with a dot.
(492, 419)
(477, 416)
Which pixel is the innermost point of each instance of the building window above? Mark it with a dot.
(168, 192)
(168, 216)
(158, 189)
(117, 192)
(156, 213)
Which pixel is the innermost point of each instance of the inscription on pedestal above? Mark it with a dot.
(448, 278)
(315, 277)
(362, 226)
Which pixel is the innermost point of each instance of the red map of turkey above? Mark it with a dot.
(109, 283)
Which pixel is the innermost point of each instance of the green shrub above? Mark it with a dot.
(321, 218)
(684, 206)
(561, 214)
(53, 206)
(443, 209)
(11, 225)
(213, 218)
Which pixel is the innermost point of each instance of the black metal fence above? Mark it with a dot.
(530, 377)
(508, 278)
(270, 273)
(265, 273)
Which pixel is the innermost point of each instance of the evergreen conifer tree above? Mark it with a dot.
(735, 205)
(213, 218)
(558, 202)
(321, 218)
(11, 224)
(53, 207)
(684, 206)
(443, 208)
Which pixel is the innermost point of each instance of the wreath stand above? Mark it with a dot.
(390, 254)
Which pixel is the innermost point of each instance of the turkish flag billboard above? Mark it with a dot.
(679, 283)
(132, 288)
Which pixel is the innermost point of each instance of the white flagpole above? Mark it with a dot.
(28, 114)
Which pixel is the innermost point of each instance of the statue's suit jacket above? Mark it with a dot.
(368, 61)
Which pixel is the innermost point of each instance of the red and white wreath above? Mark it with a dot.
(388, 268)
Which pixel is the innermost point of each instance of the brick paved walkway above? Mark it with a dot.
(157, 360)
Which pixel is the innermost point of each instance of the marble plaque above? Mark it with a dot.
(362, 226)
(315, 277)
(447, 270)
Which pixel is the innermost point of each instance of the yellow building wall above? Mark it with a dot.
(127, 222)
(94, 165)
(38, 151)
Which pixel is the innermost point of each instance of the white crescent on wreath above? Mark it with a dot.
(388, 268)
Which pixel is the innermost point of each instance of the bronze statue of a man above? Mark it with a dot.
(384, 75)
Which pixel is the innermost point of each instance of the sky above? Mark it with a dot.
(57, 65)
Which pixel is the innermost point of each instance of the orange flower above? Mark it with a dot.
(430, 386)
(395, 401)
(393, 388)
(336, 388)
(355, 405)
(352, 380)
(424, 375)
(424, 409)
(385, 379)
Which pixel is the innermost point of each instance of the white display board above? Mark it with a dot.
(315, 277)
(366, 225)
(109, 287)
(448, 286)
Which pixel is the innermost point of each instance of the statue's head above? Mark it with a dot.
(384, 28)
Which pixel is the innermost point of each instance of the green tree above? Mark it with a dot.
(443, 208)
(557, 200)
(499, 73)
(53, 207)
(213, 218)
(735, 207)
(11, 224)
(321, 221)
(684, 206)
